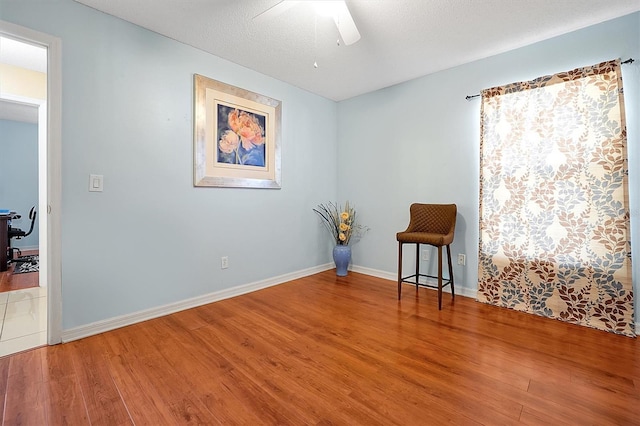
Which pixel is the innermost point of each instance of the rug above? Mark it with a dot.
(26, 264)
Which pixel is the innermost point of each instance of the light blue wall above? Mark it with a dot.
(19, 175)
(151, 238)
(419, 141)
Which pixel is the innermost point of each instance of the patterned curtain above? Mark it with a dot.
(554, 211)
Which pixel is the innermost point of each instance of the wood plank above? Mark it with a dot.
(25, 401)
(102, 399)
(325, 350)
(63, 398)
(64, 404)
(142, 375)
(208, 374)
(143, 403)
(4, 380)
(601, 405)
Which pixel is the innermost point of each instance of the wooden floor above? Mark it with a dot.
(10, 282)
(325, 350)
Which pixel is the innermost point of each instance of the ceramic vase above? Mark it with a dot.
(341, 257)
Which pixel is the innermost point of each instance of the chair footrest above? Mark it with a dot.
(445, 281)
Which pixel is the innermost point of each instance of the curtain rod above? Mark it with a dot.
(628, 61)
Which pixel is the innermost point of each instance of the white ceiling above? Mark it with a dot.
(401, 39)
(26, 56)
(23, 55)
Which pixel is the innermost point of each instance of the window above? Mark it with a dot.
(554, 213)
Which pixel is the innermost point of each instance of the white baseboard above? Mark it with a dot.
(374, 272)
(147, 314)
(392, 276)
(98, 327)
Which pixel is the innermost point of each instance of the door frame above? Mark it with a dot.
(51, 114)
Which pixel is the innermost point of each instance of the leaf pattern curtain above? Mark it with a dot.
(554, 211)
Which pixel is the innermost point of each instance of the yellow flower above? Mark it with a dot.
(344, 227)
(344, 216)
(342, 236)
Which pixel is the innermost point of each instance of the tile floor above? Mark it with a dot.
(23, 320)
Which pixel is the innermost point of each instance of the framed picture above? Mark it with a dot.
(236, 136)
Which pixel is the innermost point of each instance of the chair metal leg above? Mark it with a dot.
(399, 269)
(417, 265)
(440, 271)
(453, 293)
(439, 277)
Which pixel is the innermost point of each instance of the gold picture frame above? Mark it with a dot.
(236, 136)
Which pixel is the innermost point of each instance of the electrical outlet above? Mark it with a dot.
(224, 262)
(426, 255)
(462, 259)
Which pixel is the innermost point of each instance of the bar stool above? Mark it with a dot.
(432, 224)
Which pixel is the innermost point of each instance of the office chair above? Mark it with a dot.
(432, 224)
(18, 234)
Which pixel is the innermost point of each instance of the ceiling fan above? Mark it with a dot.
(337, 9)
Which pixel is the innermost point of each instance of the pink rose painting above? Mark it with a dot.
(241, 137)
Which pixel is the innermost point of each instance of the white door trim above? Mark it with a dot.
(53, 113)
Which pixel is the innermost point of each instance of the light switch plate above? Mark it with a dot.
(96, 183)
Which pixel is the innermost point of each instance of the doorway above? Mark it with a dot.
(23, 290)
(44, 301)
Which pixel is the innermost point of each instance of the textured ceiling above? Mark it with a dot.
(401, 39)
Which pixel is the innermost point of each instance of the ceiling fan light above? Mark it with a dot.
(346, 27)
(336, 9)
(329, 8)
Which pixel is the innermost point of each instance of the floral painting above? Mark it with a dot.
(241, 137)
(236, 136)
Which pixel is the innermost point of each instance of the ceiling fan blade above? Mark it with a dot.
(276, 10)
(346, 25)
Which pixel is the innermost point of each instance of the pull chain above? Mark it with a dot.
(315, 43)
